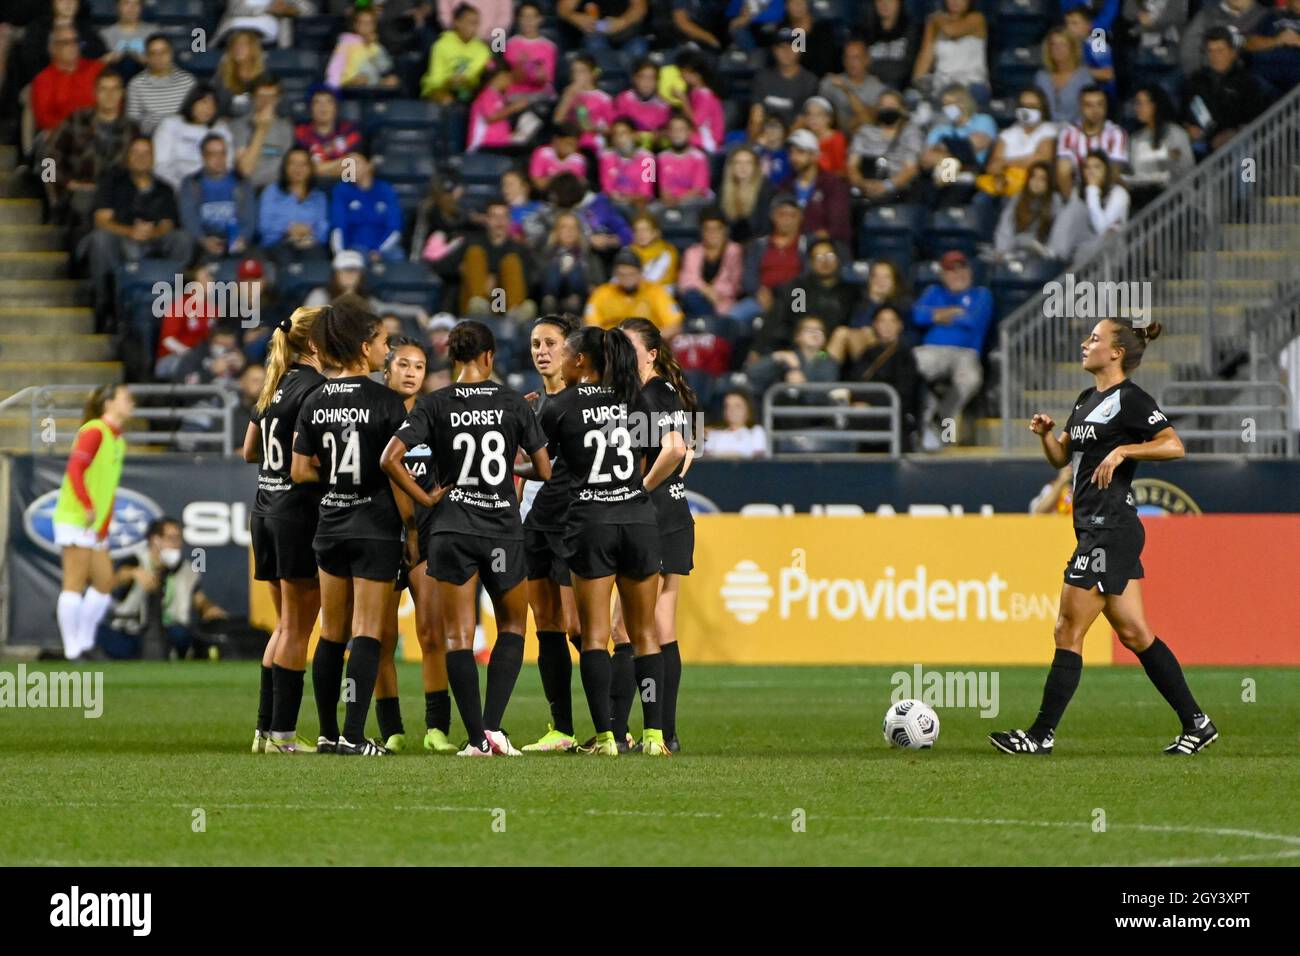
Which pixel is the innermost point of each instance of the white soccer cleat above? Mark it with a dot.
(472, 751)
(500, 744)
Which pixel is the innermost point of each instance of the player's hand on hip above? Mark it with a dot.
(1041, 424)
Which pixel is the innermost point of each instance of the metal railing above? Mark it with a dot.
(835, 422)
(1206, 250)
(194, 423)
(1234, 425)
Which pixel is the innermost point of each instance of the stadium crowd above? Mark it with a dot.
(792, 190)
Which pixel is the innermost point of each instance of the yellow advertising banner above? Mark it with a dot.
(877, 590)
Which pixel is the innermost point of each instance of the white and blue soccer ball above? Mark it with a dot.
(911, 725)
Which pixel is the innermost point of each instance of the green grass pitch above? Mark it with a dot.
(766, 746)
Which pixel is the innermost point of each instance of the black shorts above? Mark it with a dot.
(455, 558)
(281, 549)
(1106, 558)
(374, 559)
(423, 528)
(546, 556)
(677, 551)
(599, 550)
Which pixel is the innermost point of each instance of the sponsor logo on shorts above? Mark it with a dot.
(132, 512)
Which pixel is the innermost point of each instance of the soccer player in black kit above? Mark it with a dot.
(284, 516)
(670, 401)
(342, 429)
(611, 532)
(475, 427)
(1113, 426)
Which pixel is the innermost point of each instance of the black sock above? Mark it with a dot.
(288, 698)
(650, 684)
(556, 669)
(388, 711)
(622, 689)
(265, 701)
(437, 710)
(503, 670)
(1163, 669)
(363, 668)
(672, 656)
(594, 667)
(326, 677)
(462, 674)
(1062, 682)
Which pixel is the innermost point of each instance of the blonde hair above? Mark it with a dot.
(577, 221)
(1075, 48)
(226, 69)
(285, 348)
(738, 202)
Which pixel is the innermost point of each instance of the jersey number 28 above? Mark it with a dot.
(491, 461)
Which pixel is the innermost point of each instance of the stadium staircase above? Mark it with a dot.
(46, 324)
(1222, 255)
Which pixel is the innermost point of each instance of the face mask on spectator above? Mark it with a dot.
(1028, 116)
(170, 557)
(888, 117)
(952, 111)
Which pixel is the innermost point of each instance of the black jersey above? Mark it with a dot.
(667, 414)
(551, 503)
(346, 423)
(591, 427)
(475, 430)
(277, 495)
(1102, 421)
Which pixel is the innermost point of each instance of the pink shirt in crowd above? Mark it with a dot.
(481, 131)
(492, 15)
(545, 164)
(710, 121)
(726, 284)
(681, 173)
(650, 115)
(626, 177)
(535, 59)
(593, 111)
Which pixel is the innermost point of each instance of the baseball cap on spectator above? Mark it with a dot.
(785, 199)
(804, 139)
(784, 35)
(348, 259)
(627, 258)
(820, 101)
(954, 259)
(248, 269)
(442, 321)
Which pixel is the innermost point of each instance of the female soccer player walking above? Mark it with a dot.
(610, 531)
(404, 371)
(549, 585)
(1113, 426)
(475, 427)
(83, 514)
(670, 402)
(284, 517)
(342, 428)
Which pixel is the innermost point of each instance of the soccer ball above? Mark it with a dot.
(911, 725)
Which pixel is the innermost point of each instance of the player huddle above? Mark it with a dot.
(368, 488)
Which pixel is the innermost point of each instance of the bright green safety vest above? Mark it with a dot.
(101, 479)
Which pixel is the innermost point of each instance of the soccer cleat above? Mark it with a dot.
(303, 745)
(437, 741)
(673, 744)
(652, 744)
(286, 745)
(602, 745)
(260, 737)
(326, 746)
(1193, 741)
(551, 741)
(472, 751)
(367, 748)
(1019, 742)
(396, 743)
(500, 744)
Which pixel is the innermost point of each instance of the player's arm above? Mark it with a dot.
(1165, 445)
(253, 444)
(672, 450)
(1056, 450)
(391, 462)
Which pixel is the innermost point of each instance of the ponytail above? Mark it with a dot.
(94, 407)
(289, 340)
(1133, 341)
(621, 374)
(666, 364)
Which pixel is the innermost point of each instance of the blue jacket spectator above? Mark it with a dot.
(365, 215)
(216, 205)
(965, 328)
(293, 219)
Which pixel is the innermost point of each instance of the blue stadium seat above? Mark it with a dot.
(289, 63)
(1022, 22)
(736, 69)
(891, 230)
(202, 65)
(926, 274)
(409, 196)
(484, 168)
(189, 13)
(952, 228)
(102, 12)
(298, 278)
(1003, 110)
(1015, 69)
(406, 114)
(409, 167)
(409, 282)
(681, 224)
(135, 283)
(1018, 280)
(317, 33)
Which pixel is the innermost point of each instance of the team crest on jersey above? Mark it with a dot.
(1104, 412)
